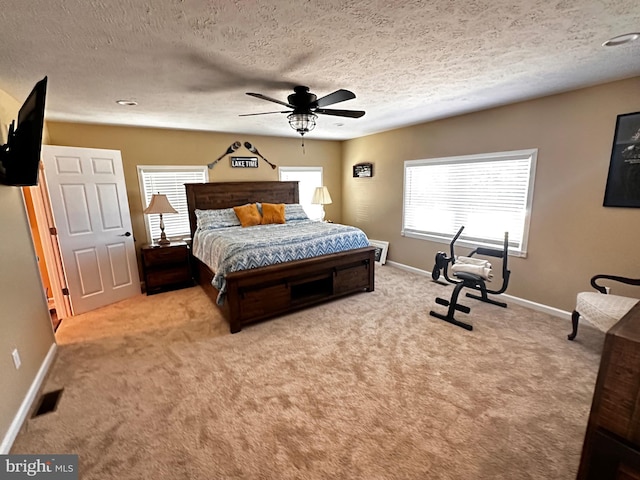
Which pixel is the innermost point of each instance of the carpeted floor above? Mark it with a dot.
(367, 387)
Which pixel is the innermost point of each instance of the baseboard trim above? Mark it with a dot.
(23, 411)
(540, 307)
(556, 312)
(402, 266)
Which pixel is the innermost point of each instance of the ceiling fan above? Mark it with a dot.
(305, 106)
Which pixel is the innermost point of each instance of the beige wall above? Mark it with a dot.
(572, 236)
(149, 146)
(25, 323)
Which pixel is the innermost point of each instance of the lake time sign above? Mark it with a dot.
(244, 162)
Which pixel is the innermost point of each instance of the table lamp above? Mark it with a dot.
(160, 204)
(321, 197)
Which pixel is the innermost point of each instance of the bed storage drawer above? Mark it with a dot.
(351, 278)
(264, 300)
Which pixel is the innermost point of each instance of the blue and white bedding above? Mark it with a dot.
(231, 249)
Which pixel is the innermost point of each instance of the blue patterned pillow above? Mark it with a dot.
(294, 211)
(211, 219)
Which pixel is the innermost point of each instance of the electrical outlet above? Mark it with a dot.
(16, 358)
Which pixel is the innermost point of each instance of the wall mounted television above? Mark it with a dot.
(20, 156)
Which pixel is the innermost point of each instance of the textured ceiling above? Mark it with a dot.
(188, 63)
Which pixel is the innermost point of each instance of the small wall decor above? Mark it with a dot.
(623, 180)
(241, 162)
(253, 149)
(244, 162)
(381, 250)
(363, 170)
(232, 148)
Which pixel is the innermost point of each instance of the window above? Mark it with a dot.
(170, 181)
(308, 179)
(489, 194)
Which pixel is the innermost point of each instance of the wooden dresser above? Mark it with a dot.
(611, 447)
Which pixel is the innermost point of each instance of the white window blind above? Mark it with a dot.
(308, 179)
(489, 194)
(169, 180)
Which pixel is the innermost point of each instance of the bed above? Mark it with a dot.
(264, 292)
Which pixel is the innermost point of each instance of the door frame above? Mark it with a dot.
(50, 247)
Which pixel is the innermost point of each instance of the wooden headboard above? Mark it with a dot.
(207, 196)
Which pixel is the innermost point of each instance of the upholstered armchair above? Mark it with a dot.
(601, 309)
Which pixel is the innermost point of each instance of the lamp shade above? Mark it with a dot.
(321, 196)
(159, 204)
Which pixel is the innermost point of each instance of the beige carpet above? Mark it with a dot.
(367, 387)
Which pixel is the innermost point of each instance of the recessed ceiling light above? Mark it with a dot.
(621, 39)
(128, 103)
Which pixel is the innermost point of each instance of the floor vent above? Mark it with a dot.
(48, 403)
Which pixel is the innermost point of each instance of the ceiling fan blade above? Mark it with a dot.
(335, 97)
(225, 74)
(262, 113)
(214, 84)
(340, 113)
(264, 97)
(276, 84)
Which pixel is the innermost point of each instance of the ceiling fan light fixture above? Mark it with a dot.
(302, 122)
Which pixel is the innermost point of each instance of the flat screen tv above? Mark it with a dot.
(20, 156)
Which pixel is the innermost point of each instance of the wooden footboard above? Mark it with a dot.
(262, 293)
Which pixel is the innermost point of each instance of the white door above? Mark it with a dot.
(91, 213)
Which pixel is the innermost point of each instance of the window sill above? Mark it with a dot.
(462, 243)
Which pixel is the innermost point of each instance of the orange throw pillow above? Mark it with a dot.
(248, 215)
(272, 213)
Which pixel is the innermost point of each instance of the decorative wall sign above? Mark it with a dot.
(623, 181)
(244, 162)
(363, 170)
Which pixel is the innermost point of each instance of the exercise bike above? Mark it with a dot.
(468, 280)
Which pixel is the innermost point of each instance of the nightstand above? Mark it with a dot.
(166, 267)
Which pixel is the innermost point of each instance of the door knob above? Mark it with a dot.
(126, 234)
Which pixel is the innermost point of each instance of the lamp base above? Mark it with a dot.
(163, 237)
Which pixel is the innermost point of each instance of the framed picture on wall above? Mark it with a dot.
(381, 250)
(363, 170)
(623, 180)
